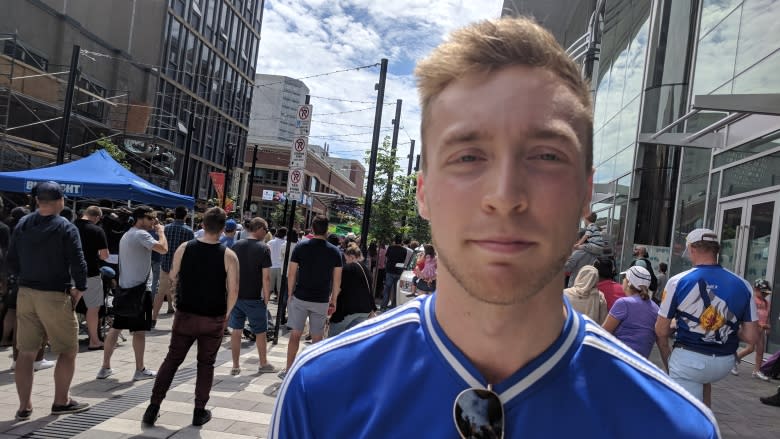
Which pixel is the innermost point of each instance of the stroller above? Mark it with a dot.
(105, 314)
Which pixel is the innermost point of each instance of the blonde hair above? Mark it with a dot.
(353, 250)
(490, 45)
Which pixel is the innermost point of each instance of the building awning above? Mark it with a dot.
(737, 106)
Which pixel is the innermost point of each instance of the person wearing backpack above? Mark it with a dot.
(641, 260)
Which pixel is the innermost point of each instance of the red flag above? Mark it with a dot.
(218, 180)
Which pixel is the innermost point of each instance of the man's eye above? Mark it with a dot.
(549, 156)
(467, 158)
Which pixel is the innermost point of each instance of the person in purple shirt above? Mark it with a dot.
(632, 318)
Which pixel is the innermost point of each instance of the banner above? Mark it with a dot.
(218, 180)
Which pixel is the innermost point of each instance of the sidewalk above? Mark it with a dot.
(242, 405)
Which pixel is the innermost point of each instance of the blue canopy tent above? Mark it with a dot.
(95, 176)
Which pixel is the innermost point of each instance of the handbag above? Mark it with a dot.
(368, 285)
(129, 302)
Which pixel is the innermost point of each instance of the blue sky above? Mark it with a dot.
(308, 37)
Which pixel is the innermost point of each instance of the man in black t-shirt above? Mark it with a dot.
(314, 282)
(394, 267)
(254, 291)
(95, 246)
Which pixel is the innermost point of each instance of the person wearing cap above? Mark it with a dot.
(46, 257)
(632, 318)
(229, 236)
(713, 309)
(761, 295)
(135, 273)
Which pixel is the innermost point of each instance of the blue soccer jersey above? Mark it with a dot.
(709, 303)
(397, 376)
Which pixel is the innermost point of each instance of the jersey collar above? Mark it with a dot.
(545, 366)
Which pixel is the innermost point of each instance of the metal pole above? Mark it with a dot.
(228, 165)
(251, 182)
(185, 167)
(282, 302)
(72, 77)
(411, 157)
(380, 102)
(394, 148)
(284, 215)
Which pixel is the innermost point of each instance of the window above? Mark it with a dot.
(87, 104)
(25, 55)
(173, 47)
(208, 28)
(270, 177)
(179, 6)
(189, 61)
(195, 14)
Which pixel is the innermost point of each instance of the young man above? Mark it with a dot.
(95, 246)
(45, 256)
(176, 233)
(276, 247)
(395, 259)
(229, 237)
(497, 345)
(254, 291)
(713, 309)
(205, 273)
(313, 282)
(135, 273)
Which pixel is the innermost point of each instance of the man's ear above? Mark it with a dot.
(422, 206)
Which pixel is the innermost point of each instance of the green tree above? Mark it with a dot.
(113, 150)
(389, 209)
(277, 216)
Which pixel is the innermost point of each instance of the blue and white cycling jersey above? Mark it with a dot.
(709, 303)
(397, 376)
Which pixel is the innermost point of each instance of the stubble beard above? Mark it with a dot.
(526, 284)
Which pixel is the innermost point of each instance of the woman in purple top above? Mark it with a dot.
(632, 318)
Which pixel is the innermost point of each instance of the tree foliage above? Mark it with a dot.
(390, 209)
(114, 151)
(277, 216)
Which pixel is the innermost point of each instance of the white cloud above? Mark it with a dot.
(302, 38)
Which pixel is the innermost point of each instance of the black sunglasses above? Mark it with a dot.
(479, 414)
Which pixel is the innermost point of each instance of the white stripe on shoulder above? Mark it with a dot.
(453, 362)
(650, 370)
(383, 323)
(545, 367)
(412, 304)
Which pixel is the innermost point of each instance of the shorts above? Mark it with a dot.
(166, 286)
(136, 324)
(692, 370)
(253, 310)
(298, 310)
(41, 314)
(93, 296)
(276, 280)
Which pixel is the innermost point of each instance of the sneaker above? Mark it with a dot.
(104, 373)
(43, 364)
(154, 324)
(13, 364)
(773, 400)
(23, 415)
(200, 417)
(282, 373)
(144, 374)
(151, 414)
(268, 368)
(757, 374)
(170, 310)
(71, 407)
(735, 369)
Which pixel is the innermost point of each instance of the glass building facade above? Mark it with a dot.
(208, 68)
(686, 127)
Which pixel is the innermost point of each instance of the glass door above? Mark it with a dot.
(749, 229)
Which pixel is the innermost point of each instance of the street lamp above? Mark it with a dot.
(228, 165)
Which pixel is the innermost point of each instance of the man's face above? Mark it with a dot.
(146, 222)
(505, 182)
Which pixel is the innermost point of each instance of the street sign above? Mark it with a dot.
(295, 184)
(298, 153)
(303, 120)
(268, 195)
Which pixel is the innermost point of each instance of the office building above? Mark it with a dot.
(274, 108)
(686, 124)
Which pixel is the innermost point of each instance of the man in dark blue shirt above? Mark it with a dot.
(45, 254)
(313, 284)
(176, 233)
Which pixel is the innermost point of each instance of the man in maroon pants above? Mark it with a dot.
(205, 273)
